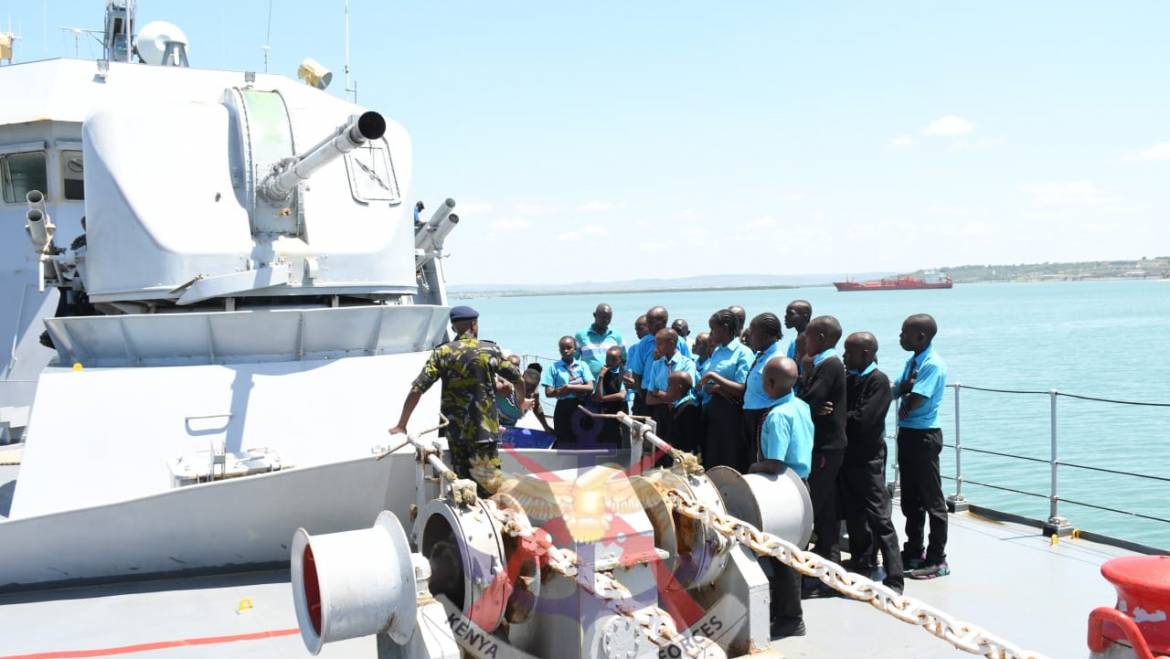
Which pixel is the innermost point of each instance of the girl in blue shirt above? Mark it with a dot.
(721, 388)
(764, 333)
(569, 381)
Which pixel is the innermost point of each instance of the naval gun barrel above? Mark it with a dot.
(39, 226)
(430, 236)
(283, 179)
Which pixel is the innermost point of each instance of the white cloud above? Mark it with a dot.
(1069, 194)
(597, 206)
(511, 225)
(972, 229)
(793, 196)
(659, 246)
(1156, 152)
(474, 207)
(531, 209)
(949, 126)
(589, 232)
(765, 222)
(900, 142)
(946, 211)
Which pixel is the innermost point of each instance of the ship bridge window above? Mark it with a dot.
(21, 172)
(72, 174)
(371, 173)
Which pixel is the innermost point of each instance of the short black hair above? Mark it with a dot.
(768, 322)
(924, 322)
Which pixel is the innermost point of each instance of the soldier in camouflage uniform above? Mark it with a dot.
(468, 367)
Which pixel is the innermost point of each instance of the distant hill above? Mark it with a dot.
(1146, 268)
(700, 282)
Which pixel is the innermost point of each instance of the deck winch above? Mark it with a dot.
(579, 562)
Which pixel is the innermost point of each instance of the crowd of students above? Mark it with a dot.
(736, 397)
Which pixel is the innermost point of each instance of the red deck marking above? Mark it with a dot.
(159, 645)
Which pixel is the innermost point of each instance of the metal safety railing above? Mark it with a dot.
(1056, 523)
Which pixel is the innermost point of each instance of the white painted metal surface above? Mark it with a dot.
(360, 582)
(235, 523)
(104, 435)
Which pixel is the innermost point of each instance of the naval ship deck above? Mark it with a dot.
(1007, 578)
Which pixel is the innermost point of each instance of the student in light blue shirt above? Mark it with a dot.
(595, 340)
(630, 356)
(797, 317)
(701, 351)
(721, 388)
(670, 393)
(786, 442)
(764, 333)
(656, 320)
(919, 392)
(569, 381)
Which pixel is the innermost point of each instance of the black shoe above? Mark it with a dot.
(913, 561)
(788, 627)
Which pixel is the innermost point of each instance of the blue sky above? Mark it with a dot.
(614, 140)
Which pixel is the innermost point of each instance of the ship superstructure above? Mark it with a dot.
(248, 292)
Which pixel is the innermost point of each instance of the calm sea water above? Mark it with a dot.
(1107, 339)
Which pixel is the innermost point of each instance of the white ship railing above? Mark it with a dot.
(1056, 524)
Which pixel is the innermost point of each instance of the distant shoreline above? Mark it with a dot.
(704, 289)
(622, 291)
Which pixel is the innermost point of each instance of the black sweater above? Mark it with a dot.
(869, 400)
(825, 384)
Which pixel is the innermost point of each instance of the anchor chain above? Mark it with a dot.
(654, 622)
(962, 635)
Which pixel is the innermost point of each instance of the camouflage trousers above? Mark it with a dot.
(478, 460)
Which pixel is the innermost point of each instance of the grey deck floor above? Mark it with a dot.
(1005, 578)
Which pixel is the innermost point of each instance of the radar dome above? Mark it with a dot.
(160, 43)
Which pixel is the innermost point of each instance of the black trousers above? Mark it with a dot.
(611, 429)
(752, 419)
(822, 489)
(573, 427)
(686, 427)
(784, 587)
(723, 436)
(640, 408)
(922, 494)
(867, 515)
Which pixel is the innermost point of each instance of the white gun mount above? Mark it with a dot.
(288, 173)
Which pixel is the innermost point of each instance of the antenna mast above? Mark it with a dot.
(268, 37)
(348, 89)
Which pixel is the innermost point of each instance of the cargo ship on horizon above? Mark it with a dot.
(898, 283)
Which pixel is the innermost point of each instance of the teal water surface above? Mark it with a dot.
(1106, 339)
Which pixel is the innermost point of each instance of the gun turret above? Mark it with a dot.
(430, 236)
(40, 226)
(285, 175)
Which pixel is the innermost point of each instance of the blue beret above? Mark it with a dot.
(463, 313)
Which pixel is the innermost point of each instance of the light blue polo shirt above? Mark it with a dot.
(825, 354)
(787, 434)
(732, 361)
(591, 347)
(645, 355)
(930, 373)
(754, 397)
(863, 373)
(560, 374)
(632, 352)
(661, 369)
(792, 347)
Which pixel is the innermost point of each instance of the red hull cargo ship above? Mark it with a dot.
(900, 283)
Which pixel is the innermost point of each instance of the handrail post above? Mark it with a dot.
(1056, 525)
(957, 503)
